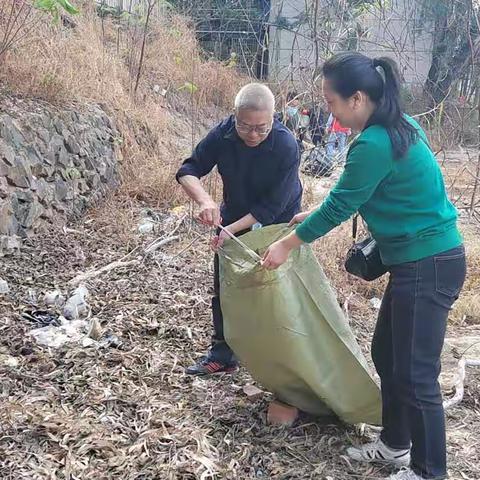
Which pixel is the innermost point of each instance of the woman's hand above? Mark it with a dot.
(277, 253)
(299, 217)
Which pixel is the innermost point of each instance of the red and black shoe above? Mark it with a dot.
(208, 366)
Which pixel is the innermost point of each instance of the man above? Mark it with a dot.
(293, 118)
(317, 124)
(257, 158)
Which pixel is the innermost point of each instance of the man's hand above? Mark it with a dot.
(299, 218)
(217, 240)
(210, 213)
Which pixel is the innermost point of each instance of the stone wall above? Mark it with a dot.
(53, 162)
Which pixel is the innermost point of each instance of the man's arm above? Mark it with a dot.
(199, 164)
(243, 224)
(209, 210)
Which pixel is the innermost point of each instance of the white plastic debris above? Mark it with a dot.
(77, 306)
(54, 337)
(146, 226)
(375, 303)
(54, 298)
(4, 288)
(8, 360)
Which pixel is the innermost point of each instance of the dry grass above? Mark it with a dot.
(97, 61)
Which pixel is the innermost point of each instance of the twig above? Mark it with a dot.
(459, 386)
(160, 243)
(82, 277)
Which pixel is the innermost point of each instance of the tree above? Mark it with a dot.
(456, 44)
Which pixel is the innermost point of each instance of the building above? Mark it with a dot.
(390, 28)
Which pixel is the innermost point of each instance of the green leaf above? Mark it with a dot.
(68, 7)
(189, 87)
(53, 7)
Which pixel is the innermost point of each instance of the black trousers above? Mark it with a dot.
(219, 350)
(406, 350)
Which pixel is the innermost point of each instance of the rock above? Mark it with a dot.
(19, 174)
(9, 245)
(44, 191)
(79, 204)
(252, 392)
(61, 190)
(40, 170)
(53, 163)
(72, 145)
(8, 222)
(93, 180)
(10, 131)
(43, 134)
(7, 155)
(4, 288)
(281, 414)
(26, 208)
(59, 125)
(3, 187)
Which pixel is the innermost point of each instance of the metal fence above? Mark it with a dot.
(134, 6)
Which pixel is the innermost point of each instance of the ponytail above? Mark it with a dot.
(379, 79)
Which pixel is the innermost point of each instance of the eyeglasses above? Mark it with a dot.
(260, 129)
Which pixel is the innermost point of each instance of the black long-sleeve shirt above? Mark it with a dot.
(262, 180)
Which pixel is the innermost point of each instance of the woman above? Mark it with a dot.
(392, 179)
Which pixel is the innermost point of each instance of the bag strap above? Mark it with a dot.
(355, 227)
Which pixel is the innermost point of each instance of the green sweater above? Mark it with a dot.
(403, 202)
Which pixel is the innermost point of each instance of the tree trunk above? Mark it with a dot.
(452, 55)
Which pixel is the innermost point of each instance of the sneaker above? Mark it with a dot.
(378, 452)
(406, 474)
(207, 366)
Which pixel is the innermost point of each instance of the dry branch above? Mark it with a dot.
(459, 386)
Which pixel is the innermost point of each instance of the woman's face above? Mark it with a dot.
(352, 112)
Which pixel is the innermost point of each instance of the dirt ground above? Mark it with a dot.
(127, 410)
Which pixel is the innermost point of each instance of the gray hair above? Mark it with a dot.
(255, 96)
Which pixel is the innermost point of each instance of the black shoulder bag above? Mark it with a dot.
(363, 258)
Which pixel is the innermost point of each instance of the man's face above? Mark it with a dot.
(253, 126)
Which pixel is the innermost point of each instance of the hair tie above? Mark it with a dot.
(376, 65)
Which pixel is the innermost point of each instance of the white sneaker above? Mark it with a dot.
(407, 474)
(378, 452)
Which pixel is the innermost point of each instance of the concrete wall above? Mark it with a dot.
(394, 32)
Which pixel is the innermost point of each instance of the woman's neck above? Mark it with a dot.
(367, 111)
